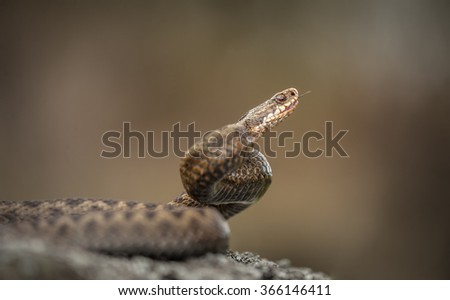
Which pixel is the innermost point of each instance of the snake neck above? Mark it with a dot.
(226, 210)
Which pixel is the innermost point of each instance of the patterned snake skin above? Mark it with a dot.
(222, 174)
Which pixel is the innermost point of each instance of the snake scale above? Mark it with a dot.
(222, 174)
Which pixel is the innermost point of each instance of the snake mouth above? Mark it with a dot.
(280, 113)
(289, 108)
(292, 105)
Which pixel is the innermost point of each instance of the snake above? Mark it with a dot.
(223, 174)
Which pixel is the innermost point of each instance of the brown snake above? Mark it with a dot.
(222, 174)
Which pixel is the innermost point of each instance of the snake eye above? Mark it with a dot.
(280, 98)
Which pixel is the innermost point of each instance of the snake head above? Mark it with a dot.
(270, 113)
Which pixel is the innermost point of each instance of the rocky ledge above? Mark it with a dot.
(38, 260)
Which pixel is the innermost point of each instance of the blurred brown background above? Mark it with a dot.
(71, 70)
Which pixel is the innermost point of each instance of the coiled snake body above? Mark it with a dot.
(222, 174)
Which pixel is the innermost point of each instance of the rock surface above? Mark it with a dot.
(34, 259)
